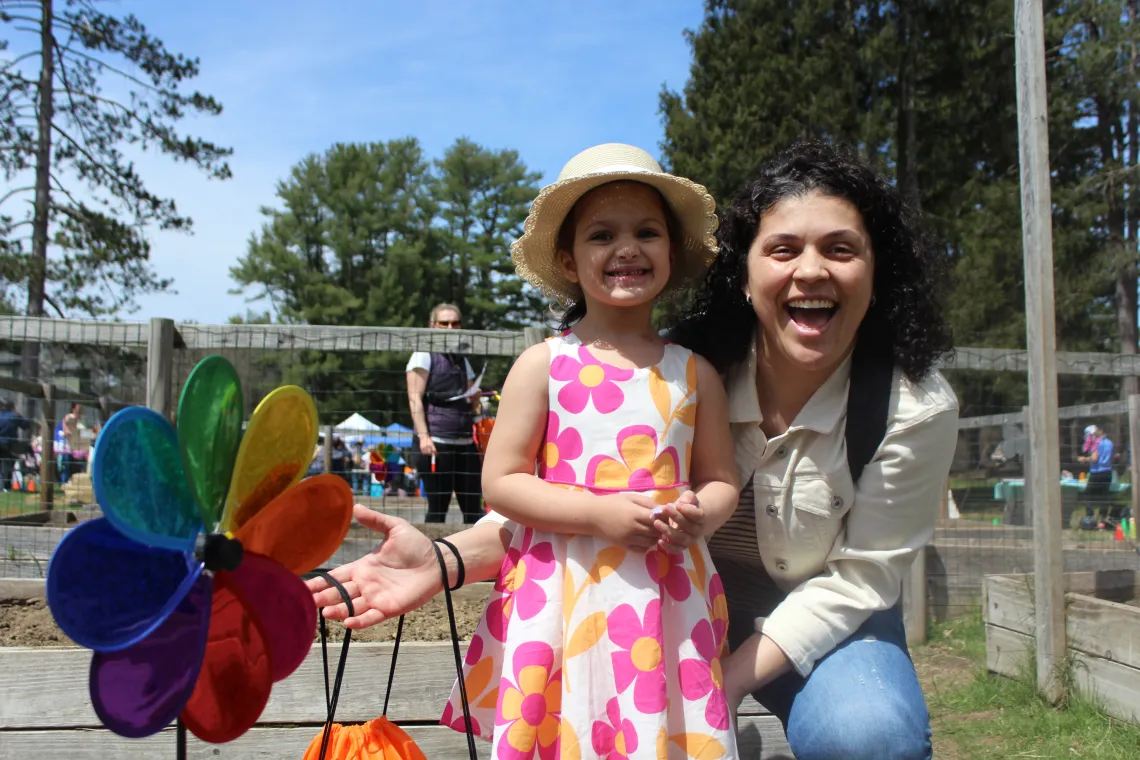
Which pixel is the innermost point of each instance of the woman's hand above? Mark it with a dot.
(626, 519)
(680, 524)
(427, 445)
(400, 575)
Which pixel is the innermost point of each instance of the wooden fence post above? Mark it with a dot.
(47, 449)
(914, 600)
(160, 366)
(1133, 440)
(1043, 477)
(328, 448)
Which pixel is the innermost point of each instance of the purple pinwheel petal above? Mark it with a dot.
(140, 483)
(107, 592)
(138, 691)
(284, 606)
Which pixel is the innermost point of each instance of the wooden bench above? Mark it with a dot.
(45, 709)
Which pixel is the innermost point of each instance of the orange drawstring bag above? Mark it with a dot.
(380, 738)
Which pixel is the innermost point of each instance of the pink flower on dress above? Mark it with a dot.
(589, 379)
(531, 705)
(454, 720)
(704, 677)
(518, 583)
(668, 570)
(639, 660)
(618, 738)
(641, 467)
(557, 450)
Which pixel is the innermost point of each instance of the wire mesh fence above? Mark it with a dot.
(986, 520)
(358, 378)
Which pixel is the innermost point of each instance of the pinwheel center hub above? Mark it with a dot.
(219, 551)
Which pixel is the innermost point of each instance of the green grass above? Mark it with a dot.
(979, 715)
(18, 503)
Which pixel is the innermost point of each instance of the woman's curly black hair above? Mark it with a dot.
(904, 323)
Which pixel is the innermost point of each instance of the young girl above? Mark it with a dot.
(602, 638)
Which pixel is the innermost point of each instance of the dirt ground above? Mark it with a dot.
(30, 624)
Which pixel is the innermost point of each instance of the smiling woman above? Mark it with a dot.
(822, 275)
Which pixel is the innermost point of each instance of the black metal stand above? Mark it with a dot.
(180, 739)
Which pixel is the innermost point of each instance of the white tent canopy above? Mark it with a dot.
(357, 425)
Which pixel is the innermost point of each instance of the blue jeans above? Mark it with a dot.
(862, 701)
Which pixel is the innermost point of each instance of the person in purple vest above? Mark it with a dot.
(445, 454)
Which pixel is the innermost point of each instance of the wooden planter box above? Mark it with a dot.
(1103, 634)
(45, 710)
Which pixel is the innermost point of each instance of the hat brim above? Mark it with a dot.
(533, 253)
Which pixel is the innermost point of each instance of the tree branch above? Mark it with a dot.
(109, 67)
(51, 302)
(95, 164)
(10, 193)
(17, 59)
(67, 89)
(59, 186)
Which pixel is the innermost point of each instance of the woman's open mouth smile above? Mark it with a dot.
(811, 316)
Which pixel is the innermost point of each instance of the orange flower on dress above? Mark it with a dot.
(641, 467)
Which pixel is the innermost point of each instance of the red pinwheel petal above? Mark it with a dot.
(284, 606)
(237, 671)
(303, 526)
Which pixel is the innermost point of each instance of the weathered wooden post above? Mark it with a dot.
(48, 474)
(160, 366)
(1043, 475)
(1133, 440)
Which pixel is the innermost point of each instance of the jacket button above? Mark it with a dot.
(781, 452)
(782, 566)
(837, 502)
(771, 510)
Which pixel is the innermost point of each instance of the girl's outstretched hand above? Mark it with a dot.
(400, 575)
(680, 524)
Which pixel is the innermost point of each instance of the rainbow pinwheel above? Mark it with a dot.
(187, 590)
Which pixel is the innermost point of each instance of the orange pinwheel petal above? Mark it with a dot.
(302, 527)
(237, 671)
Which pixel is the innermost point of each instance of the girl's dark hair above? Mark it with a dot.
(572, 314)
(903, 324)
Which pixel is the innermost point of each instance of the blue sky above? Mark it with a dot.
(545, 78)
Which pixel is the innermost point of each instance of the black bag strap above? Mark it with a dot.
(868, 407)
(333, 695)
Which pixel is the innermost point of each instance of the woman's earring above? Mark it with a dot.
(748, 298)
(872, 299)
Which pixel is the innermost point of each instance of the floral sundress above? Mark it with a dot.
(587, 649)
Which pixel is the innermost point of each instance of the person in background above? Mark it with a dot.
(11, 447)
(72, 441)
(1097, 454)
(341, 460)
(444, 451)
(360, 476)
(94, 439)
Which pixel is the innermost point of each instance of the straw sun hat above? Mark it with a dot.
(533, 254)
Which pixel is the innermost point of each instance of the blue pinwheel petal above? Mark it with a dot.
(140, 483)
(108, 592)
